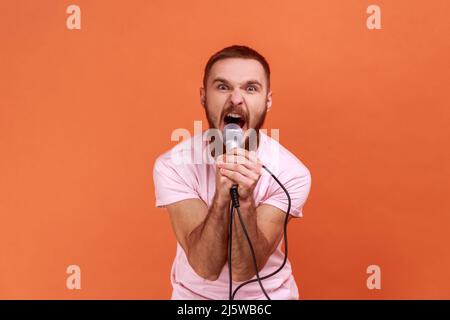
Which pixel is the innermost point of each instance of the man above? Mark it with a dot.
(236, 88)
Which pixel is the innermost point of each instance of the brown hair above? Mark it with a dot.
(236, 51)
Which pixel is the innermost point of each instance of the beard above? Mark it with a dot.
(251, 130)
(258, 125)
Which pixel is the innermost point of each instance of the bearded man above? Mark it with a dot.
(236, 89)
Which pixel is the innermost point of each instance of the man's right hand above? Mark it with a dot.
(223, 183)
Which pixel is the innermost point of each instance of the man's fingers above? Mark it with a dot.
(241, 169)
(243, 157)
(233, 159)
(237, 177)
(250, 155)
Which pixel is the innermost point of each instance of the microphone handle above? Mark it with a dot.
(235, 196)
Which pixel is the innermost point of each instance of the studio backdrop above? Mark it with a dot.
(91, 92)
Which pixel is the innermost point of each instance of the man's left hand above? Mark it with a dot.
(242, 167)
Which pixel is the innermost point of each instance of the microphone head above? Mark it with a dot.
(233, 136)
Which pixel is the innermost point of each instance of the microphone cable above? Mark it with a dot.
(230, 235)
(235, 205)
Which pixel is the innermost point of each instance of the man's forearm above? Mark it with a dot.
(208, 242)
(242, 261)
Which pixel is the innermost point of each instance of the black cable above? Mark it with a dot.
(230, 234)
(253, 254)
(284, 237)
(235, 205)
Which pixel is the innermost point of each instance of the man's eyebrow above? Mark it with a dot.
(248, 82)
(254, 82)
(220, 80)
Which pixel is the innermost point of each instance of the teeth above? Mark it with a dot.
(234, 115)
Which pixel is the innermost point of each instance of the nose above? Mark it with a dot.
(236, 97)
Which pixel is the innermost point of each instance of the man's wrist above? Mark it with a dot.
(221, 200)
(247, 203)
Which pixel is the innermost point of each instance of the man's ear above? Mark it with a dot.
(269, 101)
(203, 97)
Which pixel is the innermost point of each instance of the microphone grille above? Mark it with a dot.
(233, 136)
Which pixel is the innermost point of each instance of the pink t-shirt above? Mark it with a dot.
(188, 171)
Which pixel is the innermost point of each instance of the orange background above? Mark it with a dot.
(84, 114)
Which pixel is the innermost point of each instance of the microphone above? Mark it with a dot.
(233, 138)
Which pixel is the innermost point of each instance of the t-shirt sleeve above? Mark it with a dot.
(172, 183)
(297, 182)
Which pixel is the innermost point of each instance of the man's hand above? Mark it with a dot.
(240, 167)
(223, 183)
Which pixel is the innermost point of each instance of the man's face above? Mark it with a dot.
(236, 92)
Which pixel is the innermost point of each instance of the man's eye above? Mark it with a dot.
(251, 88)
(222, 87)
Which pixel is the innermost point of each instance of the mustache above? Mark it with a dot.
(238, 111)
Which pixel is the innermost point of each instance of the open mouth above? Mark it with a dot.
(234, 118)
